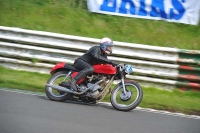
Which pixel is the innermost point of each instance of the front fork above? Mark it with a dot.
(122, 80)
(126, 94)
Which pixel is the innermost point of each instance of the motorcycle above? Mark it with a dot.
(125, 96)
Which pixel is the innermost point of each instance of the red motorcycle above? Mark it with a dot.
(125, 96)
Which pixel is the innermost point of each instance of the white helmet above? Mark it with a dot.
(106, 45)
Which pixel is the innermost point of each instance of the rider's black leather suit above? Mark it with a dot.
(95, 55)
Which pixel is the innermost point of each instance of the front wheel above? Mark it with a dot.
(129, 100)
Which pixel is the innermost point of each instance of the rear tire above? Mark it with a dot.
(133, 99)
(53, 94)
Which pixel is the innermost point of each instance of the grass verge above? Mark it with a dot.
(72, 17)
(176, 101)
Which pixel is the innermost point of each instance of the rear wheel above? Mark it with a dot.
(53, 94)
(128, 101)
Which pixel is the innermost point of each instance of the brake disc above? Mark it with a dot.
(127, 96)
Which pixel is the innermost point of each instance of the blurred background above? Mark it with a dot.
(72, 17)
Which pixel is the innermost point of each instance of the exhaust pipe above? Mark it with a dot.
(60, 88)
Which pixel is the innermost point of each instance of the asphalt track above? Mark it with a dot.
(25, 112)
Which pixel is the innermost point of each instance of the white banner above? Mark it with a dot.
(181, 11)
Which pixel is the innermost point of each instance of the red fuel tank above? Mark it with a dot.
(104, 69)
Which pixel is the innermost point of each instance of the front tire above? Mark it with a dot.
(53, 94)
(127, 102)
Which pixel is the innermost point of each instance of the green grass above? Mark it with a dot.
(176, 101)
(23, 80)
(72, 17)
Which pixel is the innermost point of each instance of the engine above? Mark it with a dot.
(94, 84)
(94, 89)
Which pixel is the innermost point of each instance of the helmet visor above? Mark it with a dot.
(109, 48)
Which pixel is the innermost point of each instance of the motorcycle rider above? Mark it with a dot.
(95, 55)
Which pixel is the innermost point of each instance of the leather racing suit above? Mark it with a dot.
(95, 55)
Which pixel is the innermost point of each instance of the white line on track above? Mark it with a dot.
(109, 104)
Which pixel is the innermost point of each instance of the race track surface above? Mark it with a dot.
(33, 113)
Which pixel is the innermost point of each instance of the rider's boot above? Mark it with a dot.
(73, 81)
(72, 84)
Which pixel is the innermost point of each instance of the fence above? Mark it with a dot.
(155, 66)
